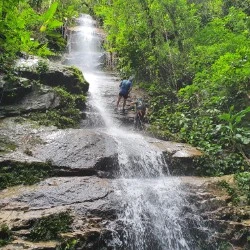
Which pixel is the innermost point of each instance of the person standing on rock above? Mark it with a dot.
(140, 112)
(125, 88)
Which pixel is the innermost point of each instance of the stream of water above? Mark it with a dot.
(154, 207)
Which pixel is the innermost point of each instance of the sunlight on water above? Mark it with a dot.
(154, 208)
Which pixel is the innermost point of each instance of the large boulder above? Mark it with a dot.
(88, 200)
(78, 151)
(13, 90)
(53, 74)
(31, 88)
(36, 98)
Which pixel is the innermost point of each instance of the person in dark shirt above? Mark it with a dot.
(125, 88)
(140, 111)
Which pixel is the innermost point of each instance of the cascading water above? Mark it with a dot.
(154, 212)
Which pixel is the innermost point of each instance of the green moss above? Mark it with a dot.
(240, 190)
(243, 184)
(68, 244)
(84, 85)
(42, 66)
(49, 228)
(23, 173)
(5, 235)
(6, 145)
(77, 73)
(59, 118)
(68, 115)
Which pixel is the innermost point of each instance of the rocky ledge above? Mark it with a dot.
(31, 86)
(89, 206)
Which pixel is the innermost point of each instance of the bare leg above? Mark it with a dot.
(118, 100)
(124, 103)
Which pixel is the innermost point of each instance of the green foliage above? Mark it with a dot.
(5, 235)
(50, 227)
(34, 27)
(47, 17)
(243, 182)
(240, 190)
(68, 244)
(232, 133)
(206, 101)
(231, 191)
(149, 41)
(23, 174)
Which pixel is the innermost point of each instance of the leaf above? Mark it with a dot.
(238, 117)
(50, 12)
(55, 24)
(47, 16)
(225, 116)
(43, 28)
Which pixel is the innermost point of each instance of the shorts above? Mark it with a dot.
(125, 96)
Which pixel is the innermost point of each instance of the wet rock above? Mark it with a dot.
(75, 151)
(93, 203)
(90, 200)
(65, 191)
(40, 98)
(179, 156)
(229, 224)
(78, 149)
(12, 90)
(176, 150)
(32, 89)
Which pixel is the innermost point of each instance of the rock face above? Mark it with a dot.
(94, 205)
(89, 200)
(52, 74)
(82, 152)
(32, 88)
(179, 156)
(38, 99)
(230, 223)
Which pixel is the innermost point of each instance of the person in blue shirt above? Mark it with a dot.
(125, 88)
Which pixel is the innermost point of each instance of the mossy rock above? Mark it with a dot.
(5, 235)
(50, 227)
(14, 89)
(16, 173)
(6, 145)
(53, 74)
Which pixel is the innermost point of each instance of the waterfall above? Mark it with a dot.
(155, 213)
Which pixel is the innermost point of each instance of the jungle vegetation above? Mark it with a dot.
(191, 56)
